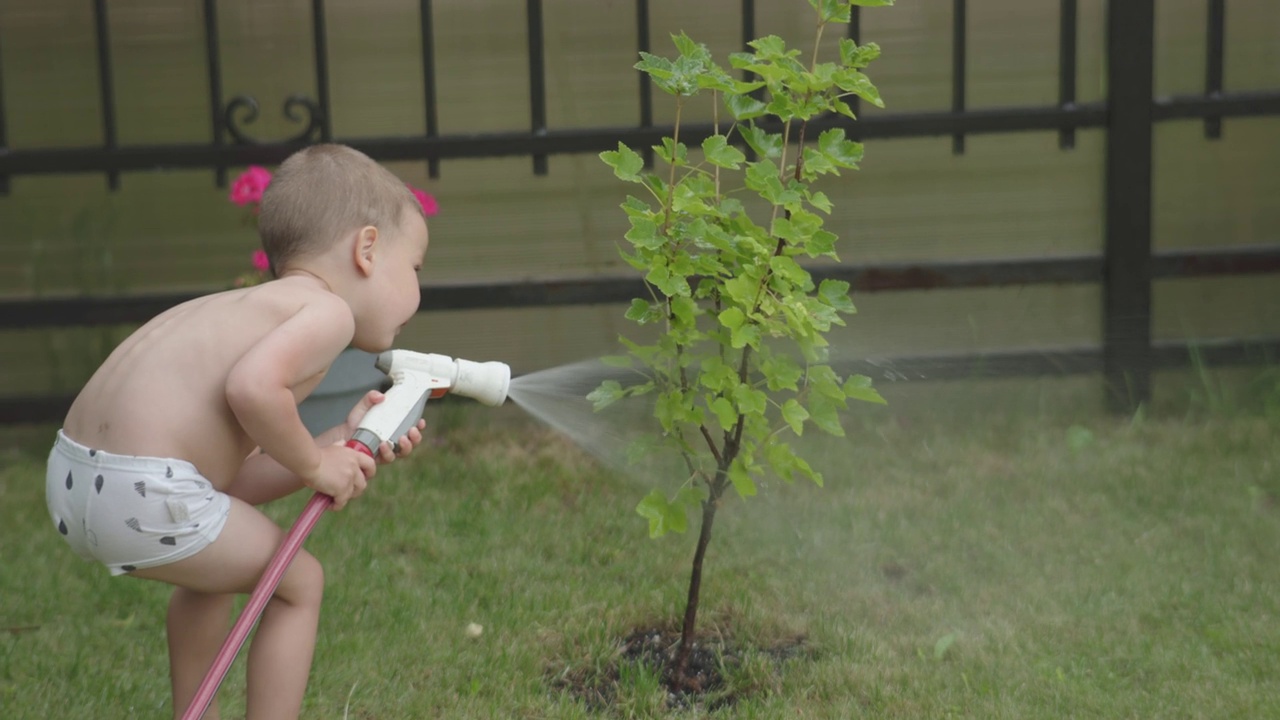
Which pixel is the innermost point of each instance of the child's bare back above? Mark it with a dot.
(163, 392)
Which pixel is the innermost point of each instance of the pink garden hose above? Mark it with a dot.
(415, 377)
(266, 587)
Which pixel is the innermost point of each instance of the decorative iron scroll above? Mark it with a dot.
(293, 107)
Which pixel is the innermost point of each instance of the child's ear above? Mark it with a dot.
(366, 245)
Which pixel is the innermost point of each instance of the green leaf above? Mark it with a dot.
(641, 311)
(732, 318)
(626, 163)
(741, 290)
(766, 145)
(716, 375)
(842, 152)
(609, 392)
(687, 47)
(749, 400)
(744, 107)
(781, 373)
(1079, 437)
(858, 387)
(789, 270)
(836, 294)
(826, 415)
(821, 243)
(762, 177)
(741, 480)
(819, 200)
(944, 644)
(663, 516)
(832, 10)
(644, 233)
(795, 415)
(818, 163)
(684, 309)
(872, 3)
(743, 336)
(719, 152)
(857, 56)
(724, 412)
(656, 66)
(769, 47)
(672, 152)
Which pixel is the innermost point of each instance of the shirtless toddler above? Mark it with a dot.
(193, 420)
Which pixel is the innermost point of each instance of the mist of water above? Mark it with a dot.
(558, 397)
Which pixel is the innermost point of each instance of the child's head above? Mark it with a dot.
(322, 193)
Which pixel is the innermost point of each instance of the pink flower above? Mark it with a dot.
(429, 205)
(260, 261)
(248, 188)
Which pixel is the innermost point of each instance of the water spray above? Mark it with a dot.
(416, 378)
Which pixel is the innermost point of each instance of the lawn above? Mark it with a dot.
(977, 552)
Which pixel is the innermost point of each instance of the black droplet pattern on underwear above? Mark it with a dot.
(62, 527)
(128, 568)
(68, 480)
(92, 452)
(97, 484)
(168, 540)
(168, 472)
(134, 524)
(141, 487)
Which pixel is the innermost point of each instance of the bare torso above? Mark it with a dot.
(162, 392)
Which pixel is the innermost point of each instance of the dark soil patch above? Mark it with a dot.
(653, 650)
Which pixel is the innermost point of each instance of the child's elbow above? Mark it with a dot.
(244, 393)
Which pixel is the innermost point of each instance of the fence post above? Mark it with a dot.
(1127, 276)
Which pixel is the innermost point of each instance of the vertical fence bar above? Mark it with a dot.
(105, 87)
(749, 34)
(958, 55)
(214, 64)
(4, 132)
(537, 81)
(855, 34)
(429, 82)
(321, 45)
(1067, 68)
(1215, 52)
(1127, 278)
(646, 86)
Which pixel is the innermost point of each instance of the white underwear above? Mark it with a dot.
(127, 511)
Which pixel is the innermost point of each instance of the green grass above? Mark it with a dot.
(967, 559)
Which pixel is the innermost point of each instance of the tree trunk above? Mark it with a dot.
(709, 508)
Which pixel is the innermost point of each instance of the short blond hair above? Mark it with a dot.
(321, 193)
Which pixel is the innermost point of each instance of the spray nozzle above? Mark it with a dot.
(417, 377)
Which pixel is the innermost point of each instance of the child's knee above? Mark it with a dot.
(303, 583)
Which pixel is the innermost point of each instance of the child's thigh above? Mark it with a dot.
(236, 560)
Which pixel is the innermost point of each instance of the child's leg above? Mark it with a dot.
(280, 657)
(197, 626)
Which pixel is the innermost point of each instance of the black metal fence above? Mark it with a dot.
(1125, 270)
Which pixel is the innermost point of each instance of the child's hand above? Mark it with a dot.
(387, 451)
(343, 473)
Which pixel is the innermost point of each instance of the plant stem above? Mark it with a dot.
(675, 157)
(709, 507)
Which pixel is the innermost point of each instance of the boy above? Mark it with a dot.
(155, 472)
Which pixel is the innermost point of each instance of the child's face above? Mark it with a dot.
(396, 283)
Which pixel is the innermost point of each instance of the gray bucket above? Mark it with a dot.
(351, 376)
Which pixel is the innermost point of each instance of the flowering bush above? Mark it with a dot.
(247, 191)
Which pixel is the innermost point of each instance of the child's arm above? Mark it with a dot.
(260, 391)
(261, 479)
